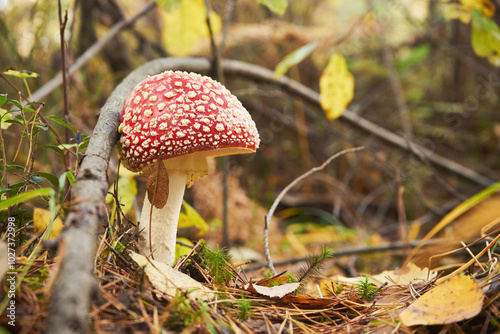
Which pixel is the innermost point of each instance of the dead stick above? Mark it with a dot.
(283, 193)
(64, 61)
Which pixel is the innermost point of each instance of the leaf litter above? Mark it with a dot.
(133, 296)
(142, 296)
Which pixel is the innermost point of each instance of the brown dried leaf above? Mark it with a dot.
(157, 185)
(306, 302)
(456, 299)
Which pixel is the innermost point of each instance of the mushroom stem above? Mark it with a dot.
(163, 221)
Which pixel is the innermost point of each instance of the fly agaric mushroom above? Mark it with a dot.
(177, 120)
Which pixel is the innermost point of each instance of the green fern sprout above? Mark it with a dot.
(365, 289)
(244, 305)
(314, 265)
(217, 264)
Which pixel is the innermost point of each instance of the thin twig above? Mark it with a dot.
(64, 61)
(118, 255)
(91, 52)
(283, 193)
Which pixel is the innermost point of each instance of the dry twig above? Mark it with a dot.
(283, 193)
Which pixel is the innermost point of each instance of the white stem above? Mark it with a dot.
(163, 221)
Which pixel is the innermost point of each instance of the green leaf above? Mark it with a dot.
(3, 98)
(54, 180)
(169, 5)
(25, 196)
(27, 109)
(43, 127)
(16, 103)
(53, 148)
(293, 59)
(9, 167)
(275, 6)
(71, 177)
(191, 218)
(83, 141)
(62, 182)
(62, 122)
(21, 74)
(336, 87)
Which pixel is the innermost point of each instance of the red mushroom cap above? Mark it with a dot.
(177, 113)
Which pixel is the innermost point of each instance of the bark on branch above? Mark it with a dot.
(76, 283)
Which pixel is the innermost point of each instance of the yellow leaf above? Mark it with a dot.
(41, 220)
(127, 189)
(494, 60)
(456, 11)
(485, 6)
(187, 25)
(21, 74)
(456, 299)
(191, 218)
(402, 276)
(4, 116)
(462, 10)
(336, 87)
(276, 6)
(181, 250)
(485, 35)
